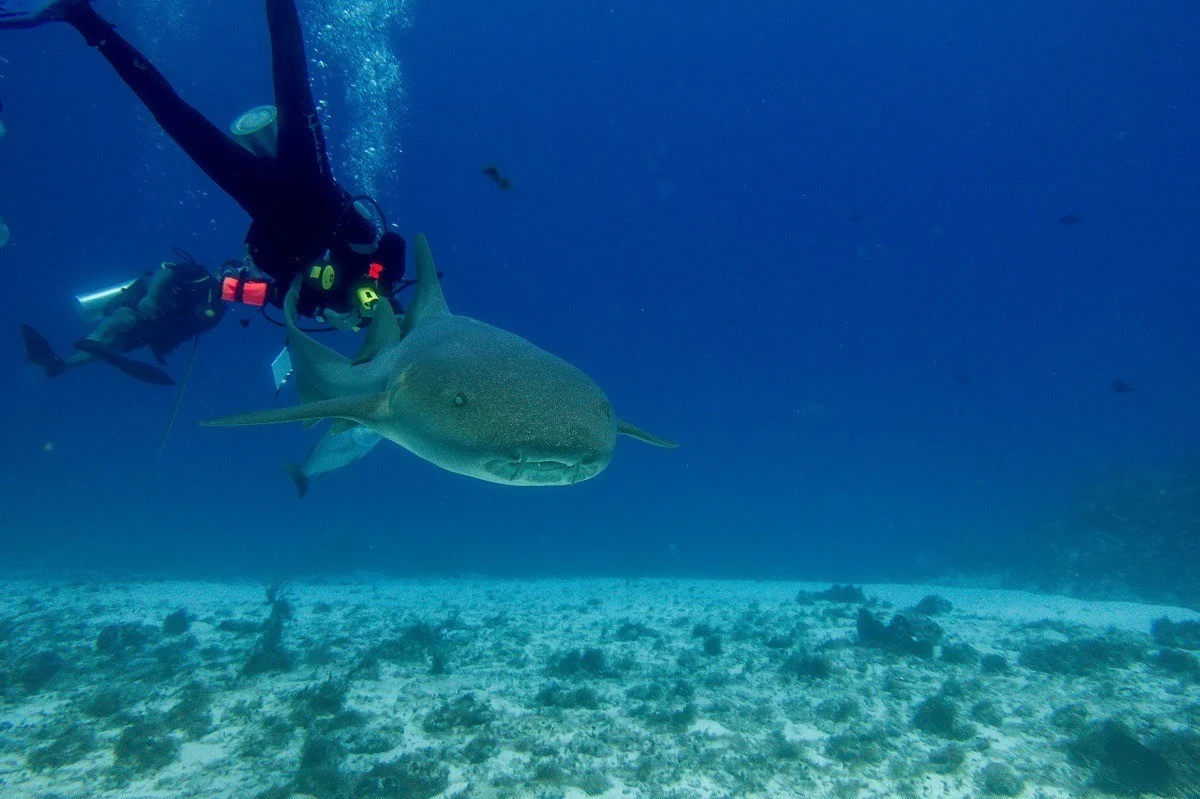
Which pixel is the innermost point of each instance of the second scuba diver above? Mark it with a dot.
(160, 311)
(302, 220)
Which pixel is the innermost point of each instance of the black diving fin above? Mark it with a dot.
(40, 353)
(135, 369)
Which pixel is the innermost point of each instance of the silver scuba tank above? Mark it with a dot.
(91, 306)
(257, 130)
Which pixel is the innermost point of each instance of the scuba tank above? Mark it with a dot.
(92, 305)
(257, 130)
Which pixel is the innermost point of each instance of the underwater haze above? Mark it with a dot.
(880, 268)
(913, 285)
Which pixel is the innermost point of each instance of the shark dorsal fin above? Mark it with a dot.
(626, 429)
(383, 332)
(428, 301)
(360, 409)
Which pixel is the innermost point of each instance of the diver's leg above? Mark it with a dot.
(112, 337)
(112, 333)
(78, 359)
(301, 145)
(237, 171)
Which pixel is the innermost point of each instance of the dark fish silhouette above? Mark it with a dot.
(1121, 387)
(854, 219)
(1070, 219)
(493, 173)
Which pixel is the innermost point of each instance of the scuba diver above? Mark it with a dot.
(302, 220)
(160, 311)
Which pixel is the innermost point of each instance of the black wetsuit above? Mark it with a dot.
(188, 306)
(298, 211)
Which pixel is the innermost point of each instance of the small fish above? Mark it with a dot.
(854, 219)
(334, 450)
(48, 446)
(493, 173)
(1070, 219)
(1121, 387)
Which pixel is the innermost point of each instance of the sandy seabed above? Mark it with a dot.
(409, 689)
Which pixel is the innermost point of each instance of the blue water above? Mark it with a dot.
(685, 174)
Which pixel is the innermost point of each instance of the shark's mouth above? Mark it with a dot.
(542, 470)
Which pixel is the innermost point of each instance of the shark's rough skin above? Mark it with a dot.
(466, 396)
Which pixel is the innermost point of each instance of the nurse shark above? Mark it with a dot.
(460, 393)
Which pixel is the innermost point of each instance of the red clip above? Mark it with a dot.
(251, 292)
(375, 271)
(229, 288)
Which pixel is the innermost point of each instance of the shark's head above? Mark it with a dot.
(482, 402)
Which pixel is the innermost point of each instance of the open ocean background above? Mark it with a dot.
(681, 228)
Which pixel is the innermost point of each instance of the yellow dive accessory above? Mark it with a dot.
(323, 274)
(367, 297)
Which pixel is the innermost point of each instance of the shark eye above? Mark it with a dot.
(460, 400)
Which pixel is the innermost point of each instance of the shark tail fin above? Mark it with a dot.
(309, 356)
(291, 301)
(296, 472)
(626, 429)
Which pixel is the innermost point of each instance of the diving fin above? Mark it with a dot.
(31, 13)
(40, 353)
(135, 369)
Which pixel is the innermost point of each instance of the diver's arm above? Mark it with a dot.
(155, 285)
(238, 172)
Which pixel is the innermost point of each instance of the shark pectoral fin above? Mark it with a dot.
(383, 332)
(626, 429)
(340, 426)
(358, 409)
(428, 301)
(308, 394)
